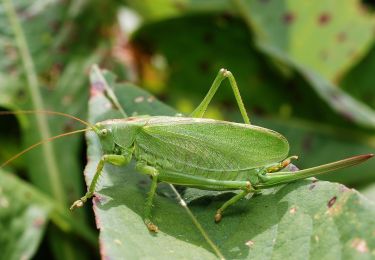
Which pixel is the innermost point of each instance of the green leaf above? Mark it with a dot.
(303, 219)
(153, 10)
(35, 36)
(279, 27)
(326, 36)
(23, 218)
(359, 81)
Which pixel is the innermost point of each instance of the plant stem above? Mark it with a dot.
(37, 102)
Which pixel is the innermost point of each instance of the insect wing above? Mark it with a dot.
(210, 145)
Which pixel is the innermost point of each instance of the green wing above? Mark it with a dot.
(206, 145)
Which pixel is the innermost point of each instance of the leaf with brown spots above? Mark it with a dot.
(308, 29)
(319, 45)
(287, 222)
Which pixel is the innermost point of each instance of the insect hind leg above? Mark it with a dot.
(231, 201)
(223, 74)
(281, 165)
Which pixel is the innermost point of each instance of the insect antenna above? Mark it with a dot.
(48, 112)
(40, 143)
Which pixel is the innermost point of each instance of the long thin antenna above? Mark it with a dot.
(20, 112)
(41, 142)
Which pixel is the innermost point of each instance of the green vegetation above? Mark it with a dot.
(304, 70)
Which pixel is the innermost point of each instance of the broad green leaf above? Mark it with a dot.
(278, 33)
(359, 82)
(153, 10)
(52, 79)
(23, 218)
(303, 219)
(326, 36)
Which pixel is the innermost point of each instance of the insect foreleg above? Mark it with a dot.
(114, 159)
(223, 73)
(144, 168)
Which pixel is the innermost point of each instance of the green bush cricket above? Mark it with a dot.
(197, 152)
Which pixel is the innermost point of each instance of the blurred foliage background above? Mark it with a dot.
(305, 69)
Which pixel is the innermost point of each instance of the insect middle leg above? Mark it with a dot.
(223, 73)
(118, 160)
(210, 184)
(153, 172)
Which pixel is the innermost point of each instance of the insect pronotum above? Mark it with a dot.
(198, 152)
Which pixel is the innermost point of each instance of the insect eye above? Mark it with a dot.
(104, 132)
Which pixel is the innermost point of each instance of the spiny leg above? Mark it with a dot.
(231, 201)
(143, 168)
(108, 158)
(281, 165)
(223, 73)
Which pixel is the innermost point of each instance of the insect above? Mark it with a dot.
(201, 153)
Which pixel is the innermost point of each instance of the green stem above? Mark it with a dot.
(197, 224)
(36, 99)
(97, 76)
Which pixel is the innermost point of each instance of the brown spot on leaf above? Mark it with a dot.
(180, 5)
(312, 186)
(360, 245)
(288, 17)
(331, 201)
(324, 18)
(341, 37)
